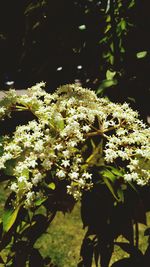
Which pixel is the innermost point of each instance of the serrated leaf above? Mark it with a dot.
(141, 54)
(9, 218)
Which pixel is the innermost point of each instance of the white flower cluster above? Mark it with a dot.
(53, 142)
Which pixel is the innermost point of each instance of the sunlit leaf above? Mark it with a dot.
(141, 54)
(110, 74)
(106, 84)
(123, 24)
(9, 218)
(107, 28)
(52, 186)
(108, 174)
(25, 173)
(116, 171)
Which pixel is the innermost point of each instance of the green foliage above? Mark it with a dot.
(9, 218)
(141, 54)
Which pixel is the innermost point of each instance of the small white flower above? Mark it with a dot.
(22, 179)
(61, 174)
(87, 175)
(72, 144)
(58, 147)
(65, 163)
(14, 187)
(66, 153)
(74, 175)
(86, 128)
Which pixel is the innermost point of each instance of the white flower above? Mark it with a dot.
(57, 139)
(14, 187)
(30, 196)
(58, 147)
(22, 179)
(66, 153)
(86, 128)
(71, 144)
(2, 111)
(39, 146)
(87, 175)
(131, 176)
(74, 175)
(61, 174)
(37, 178)
(65, 163)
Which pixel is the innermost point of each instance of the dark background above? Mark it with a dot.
(63, 42)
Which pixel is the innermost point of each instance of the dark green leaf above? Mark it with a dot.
(110, 187)
(39, 201)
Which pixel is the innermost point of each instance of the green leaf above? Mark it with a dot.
(132, 4)
(52, 186)
(110, 74)
(107, 28)
(9, 218)
(25, 173)
(123, 25)
(39, 201)
(141, 54)
(106, 84)
(108, 174)
(116, 171)
(120, 194)
(108, 19)
(10, 164)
